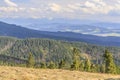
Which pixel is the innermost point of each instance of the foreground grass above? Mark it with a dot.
(18, 73)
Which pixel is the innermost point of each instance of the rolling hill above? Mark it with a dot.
(16, 51)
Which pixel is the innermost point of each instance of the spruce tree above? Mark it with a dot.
(102, 68)
(43, 65)
(93, 68)
(31, 61)
(52, 65)
(76, 61)
(87, 65)
(62, 64)
(75, 65)
(81, 66)
(110, 66)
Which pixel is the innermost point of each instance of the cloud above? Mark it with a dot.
(10, 3)
(97, 7)
(77, 9)
(55, 7)
(74, 6)
(8, 9)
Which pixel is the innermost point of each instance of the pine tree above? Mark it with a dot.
(76, 61)
(52, 65)
(75, 65)
(81, 66)
(43, 65)
(110, 66)
(93, 68)
(62, 64)
(118, 69)
(87, 65)
(102, 68)
(31, 61)
(75, 53)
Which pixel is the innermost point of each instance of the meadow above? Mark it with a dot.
(19, 73)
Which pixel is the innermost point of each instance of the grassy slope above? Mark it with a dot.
(17, 73)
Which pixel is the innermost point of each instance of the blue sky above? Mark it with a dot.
(102, 10)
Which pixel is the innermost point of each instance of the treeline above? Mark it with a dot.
(49, 53)
(79, 64)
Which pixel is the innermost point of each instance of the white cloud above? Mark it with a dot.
(90, 4)
(97, 7)
(8, 9)
(10, 3)
(90, 9)
(55, 7)
(74, 6)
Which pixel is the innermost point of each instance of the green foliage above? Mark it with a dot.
(63, 54)
(102, 68)
(81, 65)
(76, 61)
(31, 61)
(93, 68)
(52, 65)
(110, 66)
(75, 65)
(46, 50)
(43, 65)
(62, 64)
(87, 65)
(118, 69)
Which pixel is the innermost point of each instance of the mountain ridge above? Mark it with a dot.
(97, 28)
(21, 32)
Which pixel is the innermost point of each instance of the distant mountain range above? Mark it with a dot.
(21, 32)
(99, 29)
(66, 25)
(84, 29)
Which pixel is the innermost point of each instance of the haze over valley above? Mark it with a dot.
(64, 25)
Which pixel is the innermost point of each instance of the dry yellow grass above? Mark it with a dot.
(18, 73)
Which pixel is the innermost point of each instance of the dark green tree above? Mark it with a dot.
(75, 65)
(43, 65)
(81, 66)
(76, 61)
(62, 64)
(118, 69)
(87, 65)
(102, 68)
(31, 60)
(52, 65)
(110, 66)
(93, 67)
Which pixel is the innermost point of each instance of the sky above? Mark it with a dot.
(103, 10)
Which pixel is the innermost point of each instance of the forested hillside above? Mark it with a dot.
(45, 50)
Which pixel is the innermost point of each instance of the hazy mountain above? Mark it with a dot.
(78, 26)
(66, 25)
(21, 32)
(99, 29)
